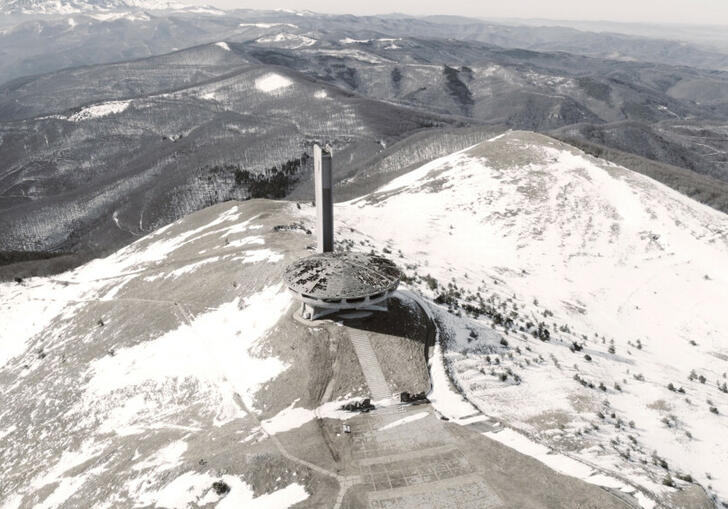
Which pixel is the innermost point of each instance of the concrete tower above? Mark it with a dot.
(324, 199)
(351, 284)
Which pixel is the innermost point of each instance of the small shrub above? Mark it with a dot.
(660, 462)
(667, 481)
(221, 488)
(587, 357)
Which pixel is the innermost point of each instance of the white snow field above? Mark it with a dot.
(286, 40)
(629, 270)
(267, 25)
(100, 110)
(272, 82)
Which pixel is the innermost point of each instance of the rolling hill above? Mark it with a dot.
(103, 161)
(586, 300)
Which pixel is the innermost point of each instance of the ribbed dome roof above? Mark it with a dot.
(342, 275)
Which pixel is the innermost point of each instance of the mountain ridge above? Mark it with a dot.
(64, 7)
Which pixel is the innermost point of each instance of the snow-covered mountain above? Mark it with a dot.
(576, 302)
(172, 374)
(35, 7)
(628, 277)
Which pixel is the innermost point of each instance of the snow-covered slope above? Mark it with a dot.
(580, 303)
(628, 277)
(126, 381)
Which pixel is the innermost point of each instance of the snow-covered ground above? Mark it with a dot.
(100, 110)
(267, 25)
(286, 40)
(141, 388)
(627, 276)
(586, 311)
(272, 82)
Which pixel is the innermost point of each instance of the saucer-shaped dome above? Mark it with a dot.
(342, 275)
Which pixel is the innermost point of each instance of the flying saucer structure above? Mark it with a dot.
(328, 283)
(337, 282)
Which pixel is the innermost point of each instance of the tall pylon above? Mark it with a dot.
(324, 199)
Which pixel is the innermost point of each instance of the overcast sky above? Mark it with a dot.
(714, 12)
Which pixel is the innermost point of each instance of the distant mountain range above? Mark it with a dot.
(133, 133)
(80, 6)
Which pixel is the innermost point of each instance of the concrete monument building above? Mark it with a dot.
(348, 283)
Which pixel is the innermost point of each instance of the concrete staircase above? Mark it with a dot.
(378, 387)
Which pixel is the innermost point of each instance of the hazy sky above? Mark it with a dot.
(714, 12)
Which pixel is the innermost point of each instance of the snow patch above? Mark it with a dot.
(186, 490)
(100, 110)
(404, 420)
(27, 309)
(218, 349)
(166, 458)
(295, 417)
(67, 486)
(356, 54)
(205, 10)
(267, 25)
(272, 82)
(443, 396)
(241, 495)
(288, 41)
(223, 45)
(115, 16)
(562, 464)
(288, 419)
